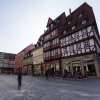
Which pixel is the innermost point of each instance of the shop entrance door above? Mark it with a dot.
(91, 70)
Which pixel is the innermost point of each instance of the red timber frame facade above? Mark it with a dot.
(73, 42)
(19, 60)
(51, 43)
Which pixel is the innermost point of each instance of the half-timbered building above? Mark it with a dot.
(72, 43)
(51, 43)
(80, 42)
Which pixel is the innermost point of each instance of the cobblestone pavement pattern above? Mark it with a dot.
(41, 89)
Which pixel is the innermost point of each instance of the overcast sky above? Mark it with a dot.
(23, 21)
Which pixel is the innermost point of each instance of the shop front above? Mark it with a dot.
(55, 65)
(84, 66)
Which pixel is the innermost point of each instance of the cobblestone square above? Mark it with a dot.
(34, 88)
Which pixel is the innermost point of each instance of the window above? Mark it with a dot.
(90, 31)
(84, 33)
(73, 27)
(65, 51)
(87, 45)
(64, 32)
(48, 28)
(44, 45)
(6, 65)
(84, 22)
(48, 54)
(53, 33)
(80, 35)
(1, 64)
(58, 51)
(77, 36)
(73, 37)
(57, 40)
(62, 51)
(53, 42)
(78, 47)
(70, 39)
(61, 41)
(44, 55)
(47, 37)
(68, 50)
(47, 44)
(64, 43)
(66, 40)
(52, 53)
(51, 26)
(75, 49)
(72, 50)
(91, 42)
(82, 46)
(57, 21)
(80, 15)
(69, 22)
(92, 47)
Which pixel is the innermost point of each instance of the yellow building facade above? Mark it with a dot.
(37, 60)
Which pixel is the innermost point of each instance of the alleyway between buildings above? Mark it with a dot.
(34, 88)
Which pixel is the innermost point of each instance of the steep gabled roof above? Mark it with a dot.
(26, 49)
(49, 21)
(60, 18)
(80, 8)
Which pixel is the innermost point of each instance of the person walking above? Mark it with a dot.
(19, 79)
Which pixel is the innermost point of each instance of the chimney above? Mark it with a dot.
(70, 11)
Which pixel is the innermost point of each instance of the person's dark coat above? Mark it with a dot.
(19, 80)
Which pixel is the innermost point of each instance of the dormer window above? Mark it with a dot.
(51, 26)
(57, 21)
(53, 33)
(64, 32)
(48, 28)
(80, 16)
(83, 22)
(69, 22)
(73, 27)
